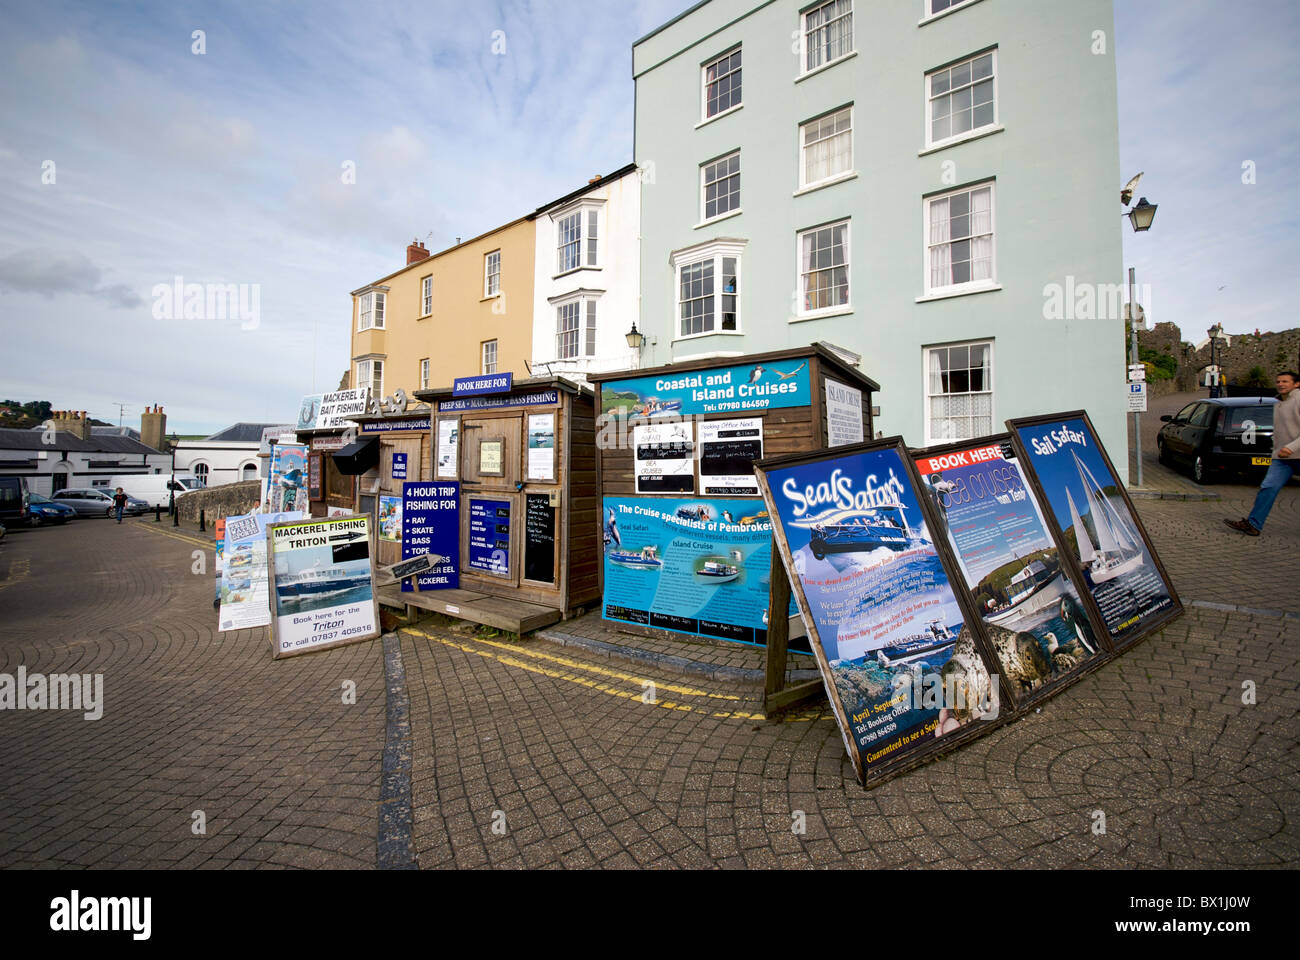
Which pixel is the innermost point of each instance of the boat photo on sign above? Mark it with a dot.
(1093, 516)
(322, 584)
(1033, 616)
(691, 566)
(901, 663)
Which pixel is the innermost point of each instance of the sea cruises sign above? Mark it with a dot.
(715, 390)
(322, 585)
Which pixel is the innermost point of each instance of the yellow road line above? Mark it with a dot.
(169, 532)
(18, 571)
(592, 684)
(602, 671)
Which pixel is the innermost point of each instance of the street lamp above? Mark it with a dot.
(1215, 333)
(635, 339)
(171, 487)
(1141, 216)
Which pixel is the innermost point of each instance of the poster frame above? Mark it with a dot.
(1068, 563)
(972, 730)
(272, 629)
(1176, 609)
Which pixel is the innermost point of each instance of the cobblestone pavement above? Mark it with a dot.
(285, 773)
(534, 754)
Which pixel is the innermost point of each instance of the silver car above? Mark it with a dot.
(88, 502)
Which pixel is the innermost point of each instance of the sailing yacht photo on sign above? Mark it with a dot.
(1092, 514)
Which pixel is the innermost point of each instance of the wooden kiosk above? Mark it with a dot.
(525, 462)
(327, 485)
(687, 540)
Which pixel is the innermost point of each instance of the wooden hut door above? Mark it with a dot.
(390, 552)
(489, 510)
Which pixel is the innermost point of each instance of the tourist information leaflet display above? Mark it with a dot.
(322, 585)
(1035, 620)
(902, 661)
(1092, 513)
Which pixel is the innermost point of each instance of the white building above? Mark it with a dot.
(229, 456)
(67, 453)
(587, 277)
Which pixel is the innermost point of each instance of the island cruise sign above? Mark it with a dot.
(729, 389)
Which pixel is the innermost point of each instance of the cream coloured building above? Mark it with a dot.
(460, 312)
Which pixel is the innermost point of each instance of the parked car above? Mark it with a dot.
(86, 501)
(41, 509)
(155, 489)
(1217, 438)
(13, 500)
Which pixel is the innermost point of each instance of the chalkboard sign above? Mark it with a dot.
(539, 546)
(314, 488)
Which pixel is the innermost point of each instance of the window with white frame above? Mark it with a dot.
(492, 274)
(424, 374)
(828, 33)
(962, 98)
(933, 7)
(571, 230)
(824, 267)
(959, 392)
(370, 311)
(370, 373)
(826, 147)
(722, 84)
(960, 239)
(426, 296)
(570, 242)
(708, 290)
(720, 186)
(489, 356)
(575, 329)
(200, 471)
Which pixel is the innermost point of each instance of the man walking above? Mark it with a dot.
(1286, 454)
(119, 503)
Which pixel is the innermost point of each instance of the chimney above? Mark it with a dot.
(153, 427)
(416, 252)
(74, 422)
(595, 179)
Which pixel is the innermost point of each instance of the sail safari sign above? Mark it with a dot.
(1095, 518)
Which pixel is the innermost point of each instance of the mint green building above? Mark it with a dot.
(920, 182)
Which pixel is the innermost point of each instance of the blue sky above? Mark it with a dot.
(227, 168)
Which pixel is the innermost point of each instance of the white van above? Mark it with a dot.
(153, 488)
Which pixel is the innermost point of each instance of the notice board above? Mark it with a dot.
(539, 538)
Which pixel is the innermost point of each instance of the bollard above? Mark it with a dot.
(157, 513)
(203, 520)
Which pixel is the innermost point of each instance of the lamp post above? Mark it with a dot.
(1141, 216)
(171, 487)
(1215, 333)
